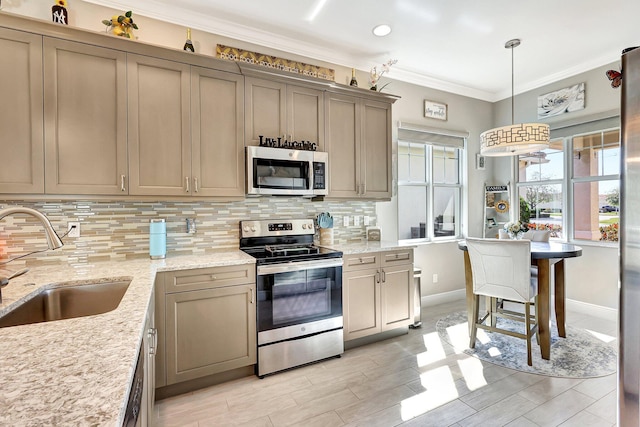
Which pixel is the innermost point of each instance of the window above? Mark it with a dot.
(429, 191)
(541, 178)
(573, 187)
(596, 186)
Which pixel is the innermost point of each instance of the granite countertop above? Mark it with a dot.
(78, 371)
(369, 246)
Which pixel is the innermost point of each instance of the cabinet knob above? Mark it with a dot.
(213, 277)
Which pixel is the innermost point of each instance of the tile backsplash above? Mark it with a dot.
(120, 230)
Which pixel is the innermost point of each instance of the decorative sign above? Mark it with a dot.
(290, 145)
(240, 55)
(495, 188)
(435, 110)
(59, 13)
(561, 101)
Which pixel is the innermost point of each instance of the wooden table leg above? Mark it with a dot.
(559, 295)
(468, 278)
(544, 326)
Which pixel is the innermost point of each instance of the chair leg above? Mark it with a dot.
(527, 322)
(474, 327)
(537, 320)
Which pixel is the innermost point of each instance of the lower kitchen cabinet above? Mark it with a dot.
(208, 322)
(377, 292)
(149, 341)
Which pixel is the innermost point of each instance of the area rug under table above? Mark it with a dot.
(581, 355)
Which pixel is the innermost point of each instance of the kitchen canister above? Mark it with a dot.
(157, 238)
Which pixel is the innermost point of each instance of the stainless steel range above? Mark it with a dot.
(299, 290)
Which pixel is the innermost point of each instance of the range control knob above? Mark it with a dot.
(304, 226)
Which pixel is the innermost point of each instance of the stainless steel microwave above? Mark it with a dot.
(284, 172)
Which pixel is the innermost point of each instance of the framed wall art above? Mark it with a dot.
(435, 110)
(561, 101)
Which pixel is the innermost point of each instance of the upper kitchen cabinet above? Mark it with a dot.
(158, 127)
(85, 97)
(21, 113)
(217, 123)
(291, 112)
(358, 139)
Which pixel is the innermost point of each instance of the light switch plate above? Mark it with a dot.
(345, 220)
(366, 220)
(356, 220)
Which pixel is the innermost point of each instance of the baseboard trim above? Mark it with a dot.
(443, 297)
(592, 309)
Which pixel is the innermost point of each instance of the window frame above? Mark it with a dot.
(430, 185)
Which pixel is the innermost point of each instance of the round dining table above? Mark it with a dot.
(543, 255)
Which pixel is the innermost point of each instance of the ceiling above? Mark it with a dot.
(452, 45)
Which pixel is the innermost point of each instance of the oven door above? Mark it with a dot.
(307, 293)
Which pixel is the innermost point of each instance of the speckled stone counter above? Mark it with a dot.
(366, 246)
(78, 371)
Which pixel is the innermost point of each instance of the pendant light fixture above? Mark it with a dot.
(514, 139)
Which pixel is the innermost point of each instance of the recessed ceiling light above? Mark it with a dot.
(381, 30)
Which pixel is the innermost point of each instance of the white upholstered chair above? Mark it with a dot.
(500, 269)
(537, 235)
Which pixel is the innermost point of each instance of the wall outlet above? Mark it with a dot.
(74, 229)
(356, 220)
(366, 221)
(345, 220)
(435, 277)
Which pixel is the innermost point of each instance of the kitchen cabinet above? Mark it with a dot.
(358, 139)
(158, 126)
(85, 131)
(149, 341)
(208, 322)
(186, 139)
(275, 109)
(217, 133)
(377, 292)
(21, 113)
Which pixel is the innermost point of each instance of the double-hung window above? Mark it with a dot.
(429, 185)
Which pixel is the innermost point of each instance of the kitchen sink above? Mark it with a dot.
(66, 302)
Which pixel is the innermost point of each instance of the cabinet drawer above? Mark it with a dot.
(397, 257)
(207, 278)
(358, 261)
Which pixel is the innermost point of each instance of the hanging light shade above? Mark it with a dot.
(514, 139)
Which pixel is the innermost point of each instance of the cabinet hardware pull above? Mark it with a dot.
(122, 187)
(384, 276)
(213, 277)
(195, 184)
(364, 189)
(251, 292)
(186, 179)
(361, 260)
(377, 277)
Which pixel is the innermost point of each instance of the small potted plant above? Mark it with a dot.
(121, 25)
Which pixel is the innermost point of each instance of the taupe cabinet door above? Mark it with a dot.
(217, 131)
(359, 144)
(343, 142)
(85, 122)
(397, 296)
(361, 303)
(274, 109)
(159, 129)
(21, 113)
(210, 331)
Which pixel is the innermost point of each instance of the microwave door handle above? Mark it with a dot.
(288, 267)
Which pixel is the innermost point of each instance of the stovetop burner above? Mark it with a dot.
(286, 250)
(279, 241)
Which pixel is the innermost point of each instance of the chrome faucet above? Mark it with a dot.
(53, 241)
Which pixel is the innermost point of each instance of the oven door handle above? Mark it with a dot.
(264, 270)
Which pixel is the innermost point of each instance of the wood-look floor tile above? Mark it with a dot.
(606, 407)
(311, 408)
(386, 418)
(548, 388)
(384, 382)
(444, 415)
(499, 414)
(521, 422)
(586, 419)
(598, 387)
(559, 409)
(380, 401)
(328, 419)
(501, 389)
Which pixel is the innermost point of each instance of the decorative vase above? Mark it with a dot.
(515, 236)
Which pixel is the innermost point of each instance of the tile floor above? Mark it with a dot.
(412, 380)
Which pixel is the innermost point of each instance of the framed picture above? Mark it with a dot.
(435, 110)
(491, 222)
(561, 101)
(479, 162)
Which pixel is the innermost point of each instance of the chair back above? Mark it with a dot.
(501, 268)
(537, 235)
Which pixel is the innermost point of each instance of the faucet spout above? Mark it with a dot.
(53, 241)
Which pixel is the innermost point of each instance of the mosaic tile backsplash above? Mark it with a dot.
(120, 230)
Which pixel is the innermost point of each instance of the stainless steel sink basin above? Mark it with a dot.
(66, 302)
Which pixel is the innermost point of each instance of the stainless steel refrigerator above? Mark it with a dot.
(629, 307)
